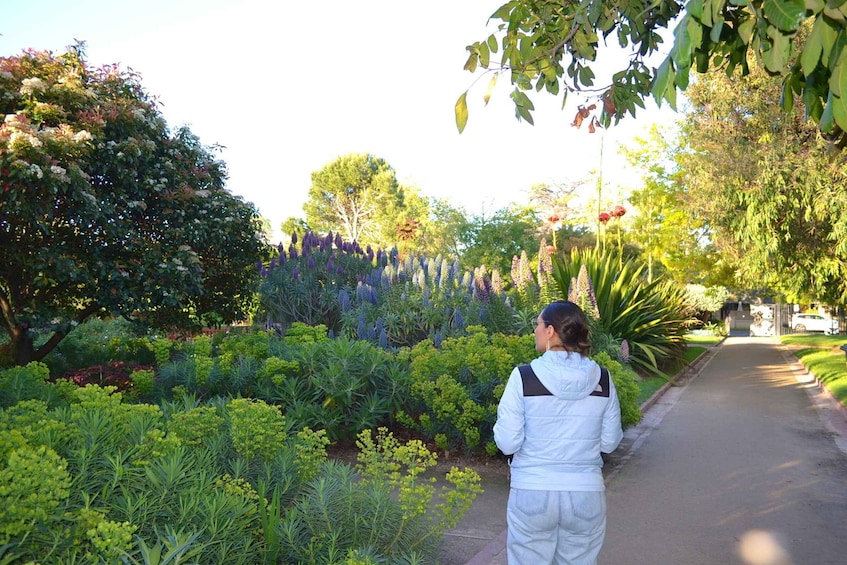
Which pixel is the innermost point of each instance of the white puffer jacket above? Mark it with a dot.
(556, 440)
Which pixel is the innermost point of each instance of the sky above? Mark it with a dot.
(286, 88)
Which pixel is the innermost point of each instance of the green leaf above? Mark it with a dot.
(492, 43)
(522, 100)
(527, 49)
(473, 59)
(827, 121)
(813, 48)
(786, 99)
(838, 79)
(670, 96)
(523, 106)
(785, 14)
(517, 17)
(681, 79)
(484, 54)
(695, 33)
(706, 14)
(776, 57)
(462, 111)
(834, 13)
(829, 34)
(565, 98)
(717, 11)
(695, 8)
(814, 6)
(663, 76)
(745, 30)
(839, 112)
(682, 47)
(715, 34)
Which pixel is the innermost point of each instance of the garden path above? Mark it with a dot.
(748, 455)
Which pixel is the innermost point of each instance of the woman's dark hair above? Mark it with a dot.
(570, 324)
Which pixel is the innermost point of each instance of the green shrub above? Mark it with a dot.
(25, 383)
(258, 430)
(343, 386)
(650, 316)
(455, 389)
(241, 487)
(391, 512)
(97, 342)
(627, 388)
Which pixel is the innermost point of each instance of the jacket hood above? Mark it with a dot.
(567, 375)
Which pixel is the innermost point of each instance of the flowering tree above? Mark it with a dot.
(104, 210)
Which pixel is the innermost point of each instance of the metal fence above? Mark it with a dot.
(777, 319)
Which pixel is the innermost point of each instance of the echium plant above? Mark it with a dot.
(405, 302)
(302, 284)
(525, 292)
(547, 290)
(581, 293)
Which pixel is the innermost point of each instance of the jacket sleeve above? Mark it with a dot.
(612, 432)
(509, 428)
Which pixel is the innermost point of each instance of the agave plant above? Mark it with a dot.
(650, 316)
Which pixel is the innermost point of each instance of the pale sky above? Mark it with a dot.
(288, 87)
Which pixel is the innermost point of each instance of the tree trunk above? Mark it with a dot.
(20, 343)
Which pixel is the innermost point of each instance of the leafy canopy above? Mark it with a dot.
(105, 210)
(553, 46)
(774, 198)
(358, 196)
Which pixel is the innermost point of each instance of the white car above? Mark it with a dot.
(813, 323)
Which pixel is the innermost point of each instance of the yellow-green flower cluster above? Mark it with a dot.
(257, 430)
(161, 348)
(193, 427)
(33, 482)
(111, 540)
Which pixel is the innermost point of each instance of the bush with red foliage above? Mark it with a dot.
(114, 373)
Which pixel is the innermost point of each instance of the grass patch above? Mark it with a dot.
(649, 385)
(818, 341)
(702, 339)
(821, 355)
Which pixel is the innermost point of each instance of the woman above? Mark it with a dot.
(554, 420)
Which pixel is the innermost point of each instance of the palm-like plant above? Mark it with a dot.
(650, 316)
